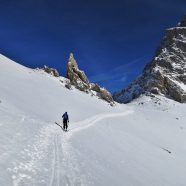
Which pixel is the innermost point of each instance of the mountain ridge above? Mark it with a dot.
(166, 74)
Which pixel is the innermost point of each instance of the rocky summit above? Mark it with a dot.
(79, 79)
(166, 73)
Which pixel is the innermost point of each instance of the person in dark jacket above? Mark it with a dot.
(65, 121)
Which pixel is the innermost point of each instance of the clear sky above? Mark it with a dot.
(112, 40)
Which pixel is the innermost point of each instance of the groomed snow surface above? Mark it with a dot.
(138, 144)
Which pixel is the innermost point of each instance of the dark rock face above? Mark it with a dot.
(68, 84)
(183, 22)
(166, 74)
(51, 71)
(79, 79)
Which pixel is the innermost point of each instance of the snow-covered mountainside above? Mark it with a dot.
(166, 74)
(142, 143)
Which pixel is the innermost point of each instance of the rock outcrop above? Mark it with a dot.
(166, 73)
(51, 71)
(79, 79)
(102, 92)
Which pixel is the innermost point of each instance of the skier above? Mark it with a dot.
(65, 120)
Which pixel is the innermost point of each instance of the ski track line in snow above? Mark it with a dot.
(53, 175)
(82, 125)
(56, 163)
(71, 174)
(65, 167)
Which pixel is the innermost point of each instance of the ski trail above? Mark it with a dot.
(51, 160)
(56, 163)
(64, 166)
(82, 125)
(71, 172)
(53, 168)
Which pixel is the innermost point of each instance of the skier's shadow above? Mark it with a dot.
(60, 126)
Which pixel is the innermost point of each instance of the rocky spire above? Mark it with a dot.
(72, 60)
(79, 79)
(166, 74)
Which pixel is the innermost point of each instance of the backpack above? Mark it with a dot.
(65, 116)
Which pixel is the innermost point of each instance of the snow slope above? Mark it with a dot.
(142, 143)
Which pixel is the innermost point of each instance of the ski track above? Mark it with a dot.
(82, 125)
(63, 167)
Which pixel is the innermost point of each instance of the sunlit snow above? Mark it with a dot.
(139, 144)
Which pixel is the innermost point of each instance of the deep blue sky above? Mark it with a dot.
(112, 40)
